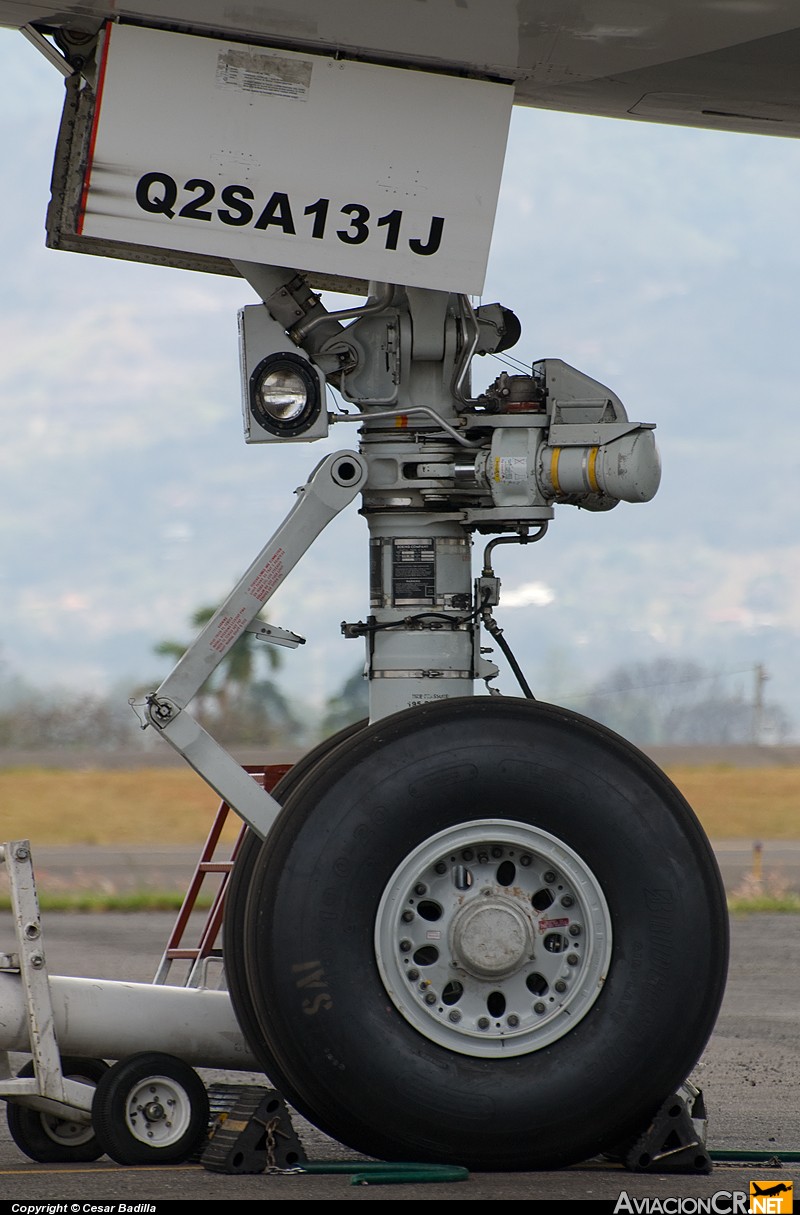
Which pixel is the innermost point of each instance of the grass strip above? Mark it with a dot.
(97, 901)
(789, 903)
(168, 900)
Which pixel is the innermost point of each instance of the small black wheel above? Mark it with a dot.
(49, 1138)
(235, 920)
(488, 930)
(150, 1108)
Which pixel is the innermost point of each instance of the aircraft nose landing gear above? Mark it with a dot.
(465, 935)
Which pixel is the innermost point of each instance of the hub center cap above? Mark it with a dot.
(491, 938)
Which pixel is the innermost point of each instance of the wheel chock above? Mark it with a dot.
(674, 1142)
(253, 1134)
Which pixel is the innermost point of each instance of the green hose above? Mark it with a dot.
(379, 1172)
(376, 1172)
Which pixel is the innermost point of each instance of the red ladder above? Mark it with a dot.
(268, 776)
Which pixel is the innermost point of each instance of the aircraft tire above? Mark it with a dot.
(488, 931)
(235, 918)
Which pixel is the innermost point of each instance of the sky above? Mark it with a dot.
(664, 262)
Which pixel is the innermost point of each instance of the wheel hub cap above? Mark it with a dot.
(491, 938)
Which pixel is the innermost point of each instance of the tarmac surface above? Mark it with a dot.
(750, 1074)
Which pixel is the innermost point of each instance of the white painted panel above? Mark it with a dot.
(293, 159)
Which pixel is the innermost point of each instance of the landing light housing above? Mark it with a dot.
(285, 396)
(283, 392)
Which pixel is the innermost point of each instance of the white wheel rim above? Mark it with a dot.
(66, 1132)
(158, 1111)
(493, 938)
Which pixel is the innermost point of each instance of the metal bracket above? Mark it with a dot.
(274, 635)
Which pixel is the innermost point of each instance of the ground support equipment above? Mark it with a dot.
(70, 1026)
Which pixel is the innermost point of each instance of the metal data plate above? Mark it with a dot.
(222, 149)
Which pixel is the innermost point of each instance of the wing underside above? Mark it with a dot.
(689, 62)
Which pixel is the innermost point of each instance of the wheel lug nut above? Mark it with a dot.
(430, 997)
(468, 854)
(420, 888)
(483, 1022)
(539, 1007)
(560, 985)
(440, 867)
(405, 945)
(567, 901)
(455, 1016)
(513, 1020)
(407, 917)
(574, 930)
(572, 959)
(549, 876)
(497, 853)
(413, 975)
(525, 860)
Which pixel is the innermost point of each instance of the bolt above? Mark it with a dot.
(525, 860)
(22, 853)
(407, 917)
(572, 959)
(440, 867)
(539, 1007)
(468, 854)
(455, 1016)
(413, 975)
(560, 985)
(497, 853)
(513, 1020)
(567, 901)
(405, 945)
(483, 857)
(37, 961)
(483, 1022)
(420, 888)
(574, 930)
(549, 876)
(430, 997)
(149, 1134)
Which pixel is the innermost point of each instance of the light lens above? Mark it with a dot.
(285, 397)
(283, 394)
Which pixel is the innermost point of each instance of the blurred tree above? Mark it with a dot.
(672, 701)
(349, 704)
(234, 704)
